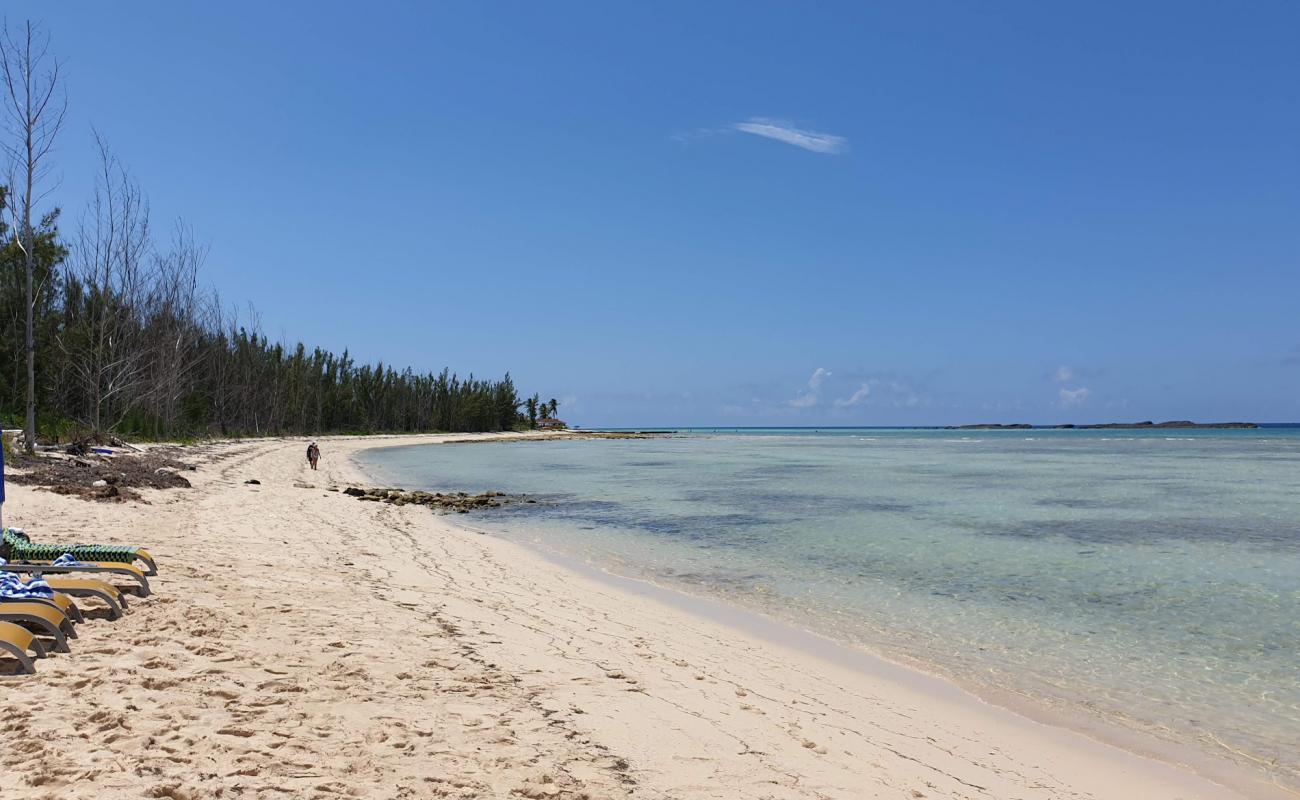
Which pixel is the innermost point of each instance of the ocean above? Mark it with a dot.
(1149, 579)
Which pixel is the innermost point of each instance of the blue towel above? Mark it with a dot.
(13, 588)
(66, 560)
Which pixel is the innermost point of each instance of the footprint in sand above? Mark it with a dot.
(813, 746)
(223, 694)
(618, 675)
(172, 793)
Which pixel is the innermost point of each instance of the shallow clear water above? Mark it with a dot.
(1152, 578)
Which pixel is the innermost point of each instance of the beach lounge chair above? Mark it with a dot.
(22, 548)
(16, 640)
(46, 568)
(14, 589)
(45, 618)
(61, 602)
(104, 591)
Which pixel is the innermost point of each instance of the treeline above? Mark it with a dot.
(126, 341)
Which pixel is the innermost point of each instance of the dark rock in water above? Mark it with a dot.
(460, 502)
(254, 481)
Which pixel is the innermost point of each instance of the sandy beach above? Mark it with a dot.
(303, 644)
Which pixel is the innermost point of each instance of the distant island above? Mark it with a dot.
(1181, 424)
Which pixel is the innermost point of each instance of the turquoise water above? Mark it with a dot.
(1150, 578)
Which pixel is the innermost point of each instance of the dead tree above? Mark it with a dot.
(176, 323)
(106, 282)
(34, 108)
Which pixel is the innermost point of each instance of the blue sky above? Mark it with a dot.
(735, 213)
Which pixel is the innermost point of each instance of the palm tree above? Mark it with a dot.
(531, 404)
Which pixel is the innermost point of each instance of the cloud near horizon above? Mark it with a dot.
(1074, 397)
(857, 398)
(813, 141)
(810, 398)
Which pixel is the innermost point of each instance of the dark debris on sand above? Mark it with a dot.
(106, 478)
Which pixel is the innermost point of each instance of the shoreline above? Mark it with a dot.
(919, 676)
(914, 674)
(302, 644)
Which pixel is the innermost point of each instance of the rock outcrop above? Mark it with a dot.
(458, 502)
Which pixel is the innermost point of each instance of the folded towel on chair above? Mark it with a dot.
(13, 588)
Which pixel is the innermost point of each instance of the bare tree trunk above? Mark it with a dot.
(107, 286)
(29, 433)
(29, 257)
(176, 324)
(35, 115)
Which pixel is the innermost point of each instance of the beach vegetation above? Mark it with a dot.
(532, 404)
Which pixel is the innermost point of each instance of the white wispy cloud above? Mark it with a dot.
(1074, 397)
(1063, 374)
(857, 398)
(811, 397)
(785, 132)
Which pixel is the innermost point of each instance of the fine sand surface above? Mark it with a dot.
(303, 644)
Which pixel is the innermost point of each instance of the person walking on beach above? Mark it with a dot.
(313, 454)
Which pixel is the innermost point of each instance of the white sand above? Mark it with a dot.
(304, 644)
